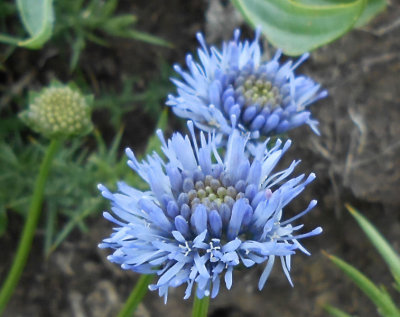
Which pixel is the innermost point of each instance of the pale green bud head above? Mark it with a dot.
(59, 111)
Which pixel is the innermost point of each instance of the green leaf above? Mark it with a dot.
(300, 26)
(372, 8)
(109, 7)
(3, 220)
(77, 47)
(118, 23)
(335, 312)
(145, 37)
(380, 297)
(37, 17)
(95, 39)
(391, 258)
(71, 224)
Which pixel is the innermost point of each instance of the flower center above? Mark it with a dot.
(211, 193)
(256, 88)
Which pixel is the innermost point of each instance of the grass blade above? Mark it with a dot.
(380, 297)
(335, 312)
(382, 246)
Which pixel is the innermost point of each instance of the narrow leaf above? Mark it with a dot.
(391, 258)
(119, 23)
(335, 312)
(145, 37)
(381, 298)
(77, 47)
(72, 223)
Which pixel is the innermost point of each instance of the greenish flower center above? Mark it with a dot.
(212, 193)
(257, 89)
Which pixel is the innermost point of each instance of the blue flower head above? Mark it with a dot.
(232, 87)
(205, 214)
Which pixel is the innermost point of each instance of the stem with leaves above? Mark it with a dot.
(30, 226)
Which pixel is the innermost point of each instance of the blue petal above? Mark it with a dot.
(235, 223)
(254, 173)
(200, 265)
(215, 94)
(156, 214)
(271, 123)
(234, 153)
(178, 236)
(249, 113)
(182, 226)
(199, 219)
(265, 274)
(225, 213)
(215, 287)
(174, 176)
(257, 123)
(172, 209)
(215, 223)
(170, 273)
(232, 245)
(198, 241)
(228, 104)
(228, 277)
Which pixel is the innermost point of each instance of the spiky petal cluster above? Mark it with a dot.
(233, 87)
(205, 215)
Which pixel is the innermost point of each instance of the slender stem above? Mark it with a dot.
(136, 296)
(29, 228)
(200, 306)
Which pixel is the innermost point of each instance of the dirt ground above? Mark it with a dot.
(356, 159)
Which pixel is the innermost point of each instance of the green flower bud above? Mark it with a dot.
(59, 111)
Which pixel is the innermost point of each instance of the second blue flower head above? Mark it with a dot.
(233, 88)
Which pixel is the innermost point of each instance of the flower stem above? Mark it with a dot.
(136, 296)
(200, 306)
(29, 227)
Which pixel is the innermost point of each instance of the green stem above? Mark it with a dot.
(200, 306)
(29, 228)
(136, 296)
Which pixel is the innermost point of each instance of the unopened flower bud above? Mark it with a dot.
(59, 111)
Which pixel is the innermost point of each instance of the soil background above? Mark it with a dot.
(356, 160)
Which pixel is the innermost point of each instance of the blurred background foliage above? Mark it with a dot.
(71, 194)
(76, 23)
